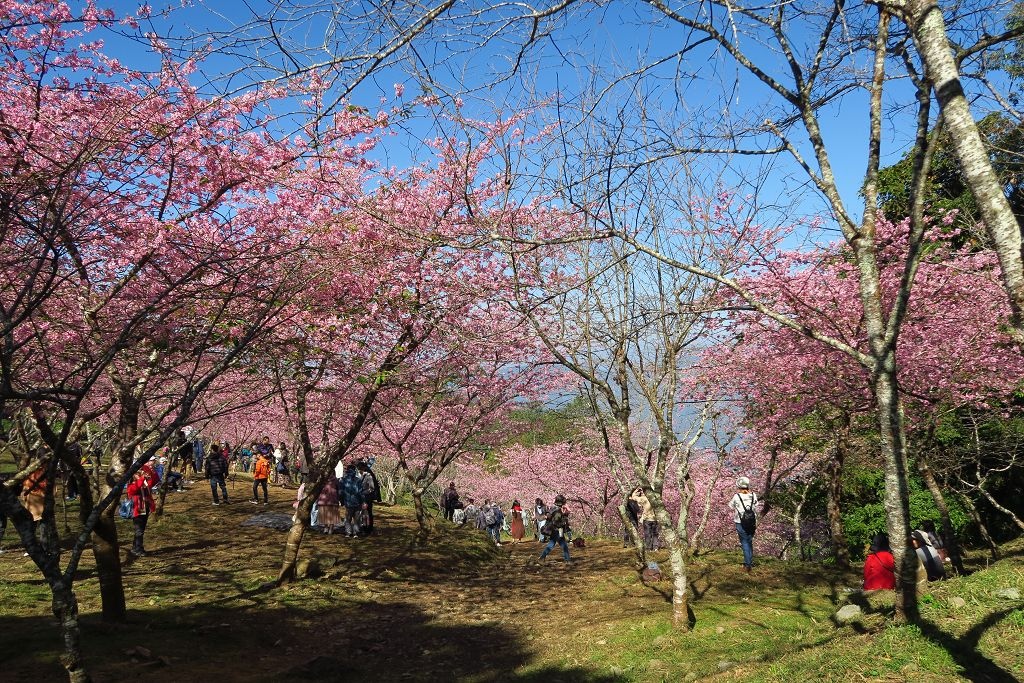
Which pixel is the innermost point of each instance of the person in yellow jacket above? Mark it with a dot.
(261, 472)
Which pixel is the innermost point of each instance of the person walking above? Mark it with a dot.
(260, 475)
(216, 469)
(140, 492)
(556, 528)
(743, 505)
(517, 528)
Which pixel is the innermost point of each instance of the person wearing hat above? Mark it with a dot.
(743, 501)
(555, 528)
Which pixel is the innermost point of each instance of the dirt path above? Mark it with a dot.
(384, 609)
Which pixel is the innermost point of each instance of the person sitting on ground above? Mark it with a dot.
(927, 555)
(879, 565)
(934, 539)
(172, 480)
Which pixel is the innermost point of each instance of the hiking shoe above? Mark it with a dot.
(254, 502)
(216, 502)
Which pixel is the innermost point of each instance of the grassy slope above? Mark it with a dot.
(459, 609)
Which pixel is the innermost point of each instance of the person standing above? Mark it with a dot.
(633, 518)
(140, 493)
(540, 515)
(448, 501)
(199, 454)
(260, 474)
(743, 505)
(648, 522)
(186, 457)
(517, 529)
(329, 515)
(216, 469)
(352, 497)
(280, 464)
(556, 528)
(371, 494)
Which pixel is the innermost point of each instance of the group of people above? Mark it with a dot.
(355, 492)
(880, 566)
(550, 522)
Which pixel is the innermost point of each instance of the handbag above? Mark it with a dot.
(125, 509)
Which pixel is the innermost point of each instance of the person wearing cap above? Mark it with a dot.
(741, 501)
(556, 525)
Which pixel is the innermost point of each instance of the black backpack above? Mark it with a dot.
(748, 520)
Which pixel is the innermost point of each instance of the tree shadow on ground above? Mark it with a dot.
(974, 665)
(350, 641)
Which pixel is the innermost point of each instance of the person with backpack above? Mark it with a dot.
(216, 469)
(556, 528)
(927, 555)
(470, 513)
(493, 517)
(352, 499)
(743, 506)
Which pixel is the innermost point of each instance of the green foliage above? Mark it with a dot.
(544, 425)
(864, 512)
(946, 189)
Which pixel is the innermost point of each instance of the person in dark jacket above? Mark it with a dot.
(352, 499)
(216, 469)
(448, 501)
(370, 493)
(556, 528)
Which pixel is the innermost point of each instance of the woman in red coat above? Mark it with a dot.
(879, 566)
(518, 528)
(140, 492)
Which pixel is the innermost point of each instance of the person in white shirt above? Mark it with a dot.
(744, 500)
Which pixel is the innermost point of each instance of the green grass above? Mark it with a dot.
(460, 609)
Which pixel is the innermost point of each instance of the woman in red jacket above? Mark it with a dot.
(140, 492)
(879, 566)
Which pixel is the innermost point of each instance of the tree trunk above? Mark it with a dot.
(677, 561)
(65, 608)
(952, 543)
(634, 533)
(106, 551)
(928, 28)
(295, 534)
(897, 494)
(422, 518)
(833, 506)
(972, 510)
